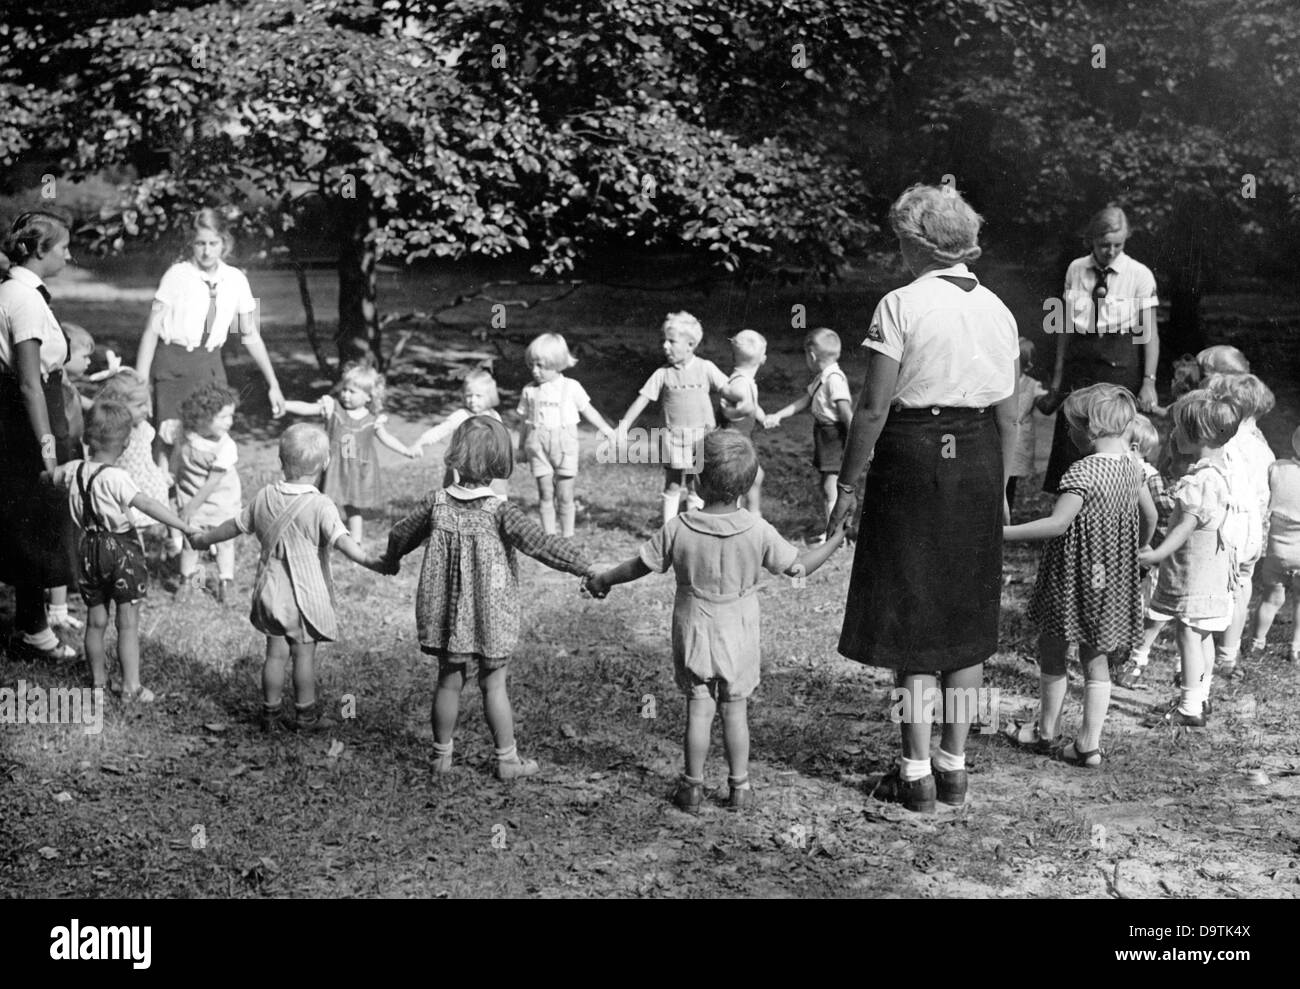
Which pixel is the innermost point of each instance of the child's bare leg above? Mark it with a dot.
(277, 655)
(304, 673)
(829, 492)
(446, 703)
(1295, 627)
(957, 719)
(496, 707)
(735, 740)
(1096, 698)
(672, 493)
(546, 502)
(564, 504)
(96, 627)
(353, 515)
(699, 728)
(1269, 606)
(1191, 651)
(189, 562)
(128, 645)
(1229, 640)
(1151, 629)
(754, 496)
(1052, 684)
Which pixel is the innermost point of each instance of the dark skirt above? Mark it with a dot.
(36, 537)
(176, 372)
(926, 586)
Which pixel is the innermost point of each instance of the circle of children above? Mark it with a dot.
(1210, 489)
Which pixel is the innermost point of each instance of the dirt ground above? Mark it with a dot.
(187, 798)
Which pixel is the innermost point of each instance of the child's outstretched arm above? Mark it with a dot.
(1066, 508)
(409, 533)
(629, 570)
(436, 434)
(316, 408)
(1147, 506)
(633, 413)
(348, 547)
(1181, 526)
(813, 557)
(228, 529)
(589, 413)
(396, 445)
(525, 535)
(215, 476)
(794, 408)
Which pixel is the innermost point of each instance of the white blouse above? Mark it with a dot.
(25, 315)
(183, 298)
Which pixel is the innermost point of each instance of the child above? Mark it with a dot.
(1282, 560)
(481, 398)
(685, 384)
(293, 595)
(749, 350)
(467, 603)
(717, 555)
(1197, 564)
(551, 407)
(132, 390)
(1145, 449)
(1088, 585)
(110, 559)
(355, 422)
(1221, 359)
(81, 346)
(832, 410)
(207, 485)
(1030, 394)
(1247, 459)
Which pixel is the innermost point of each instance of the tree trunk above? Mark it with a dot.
(1185, 334)
(309, 313)
(358, 336)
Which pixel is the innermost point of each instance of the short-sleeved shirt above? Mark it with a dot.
(685, 392)
(955, 348)
(553, 404)
(111, 494)
(1284, 509)
(1247, 459)
(191, 472)
(183, 293)
(1130, 289)
(829, 387)
(25, 315)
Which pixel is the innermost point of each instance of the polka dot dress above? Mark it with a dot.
(1087, 589)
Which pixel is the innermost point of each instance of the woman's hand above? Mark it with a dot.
(276, 398)
(1147, 397)
(845, 502)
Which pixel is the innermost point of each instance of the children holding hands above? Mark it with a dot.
(550, 408)
(717, 555)
(831, 403)
(110, 558)
(749, 351)
(356, 422)
(293, 594)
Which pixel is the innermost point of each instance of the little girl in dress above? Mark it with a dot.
(355, 422)
(717, 555)
(481, 398)
(1088, 588)
(293, 596)
(467, 602)
(1198, 566)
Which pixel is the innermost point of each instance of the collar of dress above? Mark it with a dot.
(731, 524)
(468, 494)
(959, 270)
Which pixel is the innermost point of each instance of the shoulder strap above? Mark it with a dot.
(291, 511)
(88, 513)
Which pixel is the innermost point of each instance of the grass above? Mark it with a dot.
(187, 798)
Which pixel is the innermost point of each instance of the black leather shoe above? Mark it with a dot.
(917, 795)
(950, 787)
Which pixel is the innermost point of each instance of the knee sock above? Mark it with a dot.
(1051, 692)
(1096, 700)
(946, 762)
(911, 770)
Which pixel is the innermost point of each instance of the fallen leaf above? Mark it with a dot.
(336, 749)
(217, 727)
(47, 852)
(63, 797)
(108, 767)
(568, 731)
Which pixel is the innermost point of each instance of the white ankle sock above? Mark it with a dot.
(946, 762)
(443, 749)
(1141, 655)
(508, 755)
(1188, 701)
(44, 639)
(911, 770)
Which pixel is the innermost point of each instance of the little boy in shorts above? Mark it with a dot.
(749, 352)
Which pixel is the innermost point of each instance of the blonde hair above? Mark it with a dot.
(1251, 396)
(687, 325)
(826, 341)
(1222, 359)
(748, 345)
(550, 350)
(938, 222)
(1206, 419)
(126, 386)
(208, 219)
(304, 450)
(489, 383)
(367, 378)
(1146, 438)
(78, 335)
(1109, 220)
(1101, 410)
